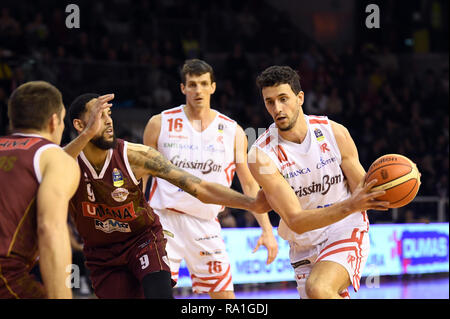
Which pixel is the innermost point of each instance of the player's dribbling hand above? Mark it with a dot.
(94, 122)
(363, 198)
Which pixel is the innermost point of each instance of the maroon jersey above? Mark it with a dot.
(109, 206)
(19, 181)
(20, 177)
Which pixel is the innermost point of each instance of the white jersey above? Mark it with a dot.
(208, 155)
(312, 169)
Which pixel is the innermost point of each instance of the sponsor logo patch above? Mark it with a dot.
(111, 225)
(102, 212)
(117, 177)
(319, 135)
(120, 194)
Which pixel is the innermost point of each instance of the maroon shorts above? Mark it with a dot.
(117, 270)
(16, 282)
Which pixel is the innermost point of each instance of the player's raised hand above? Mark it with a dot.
(94, 122)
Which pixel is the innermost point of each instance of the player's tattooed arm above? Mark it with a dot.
(145, 160)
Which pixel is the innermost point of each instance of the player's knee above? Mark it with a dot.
(318, 290)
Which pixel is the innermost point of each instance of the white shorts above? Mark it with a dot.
(199, 242)
(347, 244)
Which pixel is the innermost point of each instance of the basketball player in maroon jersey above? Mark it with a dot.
(123, 238)
(37, 180)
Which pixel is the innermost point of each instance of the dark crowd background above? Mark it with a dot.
(388, 86)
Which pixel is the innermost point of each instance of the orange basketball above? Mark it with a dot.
(398, 176)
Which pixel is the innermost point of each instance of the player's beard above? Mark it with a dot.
(104, 144)
(291, 123)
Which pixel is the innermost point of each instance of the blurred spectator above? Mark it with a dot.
(9, 27)
(313, 57)
(37, 30)
(83, 49)
(103, 51)
(408, 216)
(5, 71)
(191, 46)
(18, 77)
(388, 61)
(278, 58)
(322, 77)
(46, 70)
(238, 70)
(246, 25)
(162, 95)
(334, 104)
(125, 54)
(249, 220)
(377, 79)
(316, 102)
(57, 27)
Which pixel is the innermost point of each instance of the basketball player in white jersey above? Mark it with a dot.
(309, 169)
(212, 146)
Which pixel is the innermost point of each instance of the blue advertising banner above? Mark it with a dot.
(408, 249)
(394, 249)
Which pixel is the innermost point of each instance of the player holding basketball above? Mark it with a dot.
(124, 244)
(212, 146)
(37, 180)
(309, 170)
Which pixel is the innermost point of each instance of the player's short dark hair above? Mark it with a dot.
(31, 105)
(196, 67)
(276, 75)
(78, 106)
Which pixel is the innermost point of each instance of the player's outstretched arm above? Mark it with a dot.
(283, 200)
(145, 160)
(60, 178)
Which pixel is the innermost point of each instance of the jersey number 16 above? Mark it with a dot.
(175, 125)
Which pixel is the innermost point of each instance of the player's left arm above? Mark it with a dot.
(250, 187)
(350, 165)
(60, 179)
